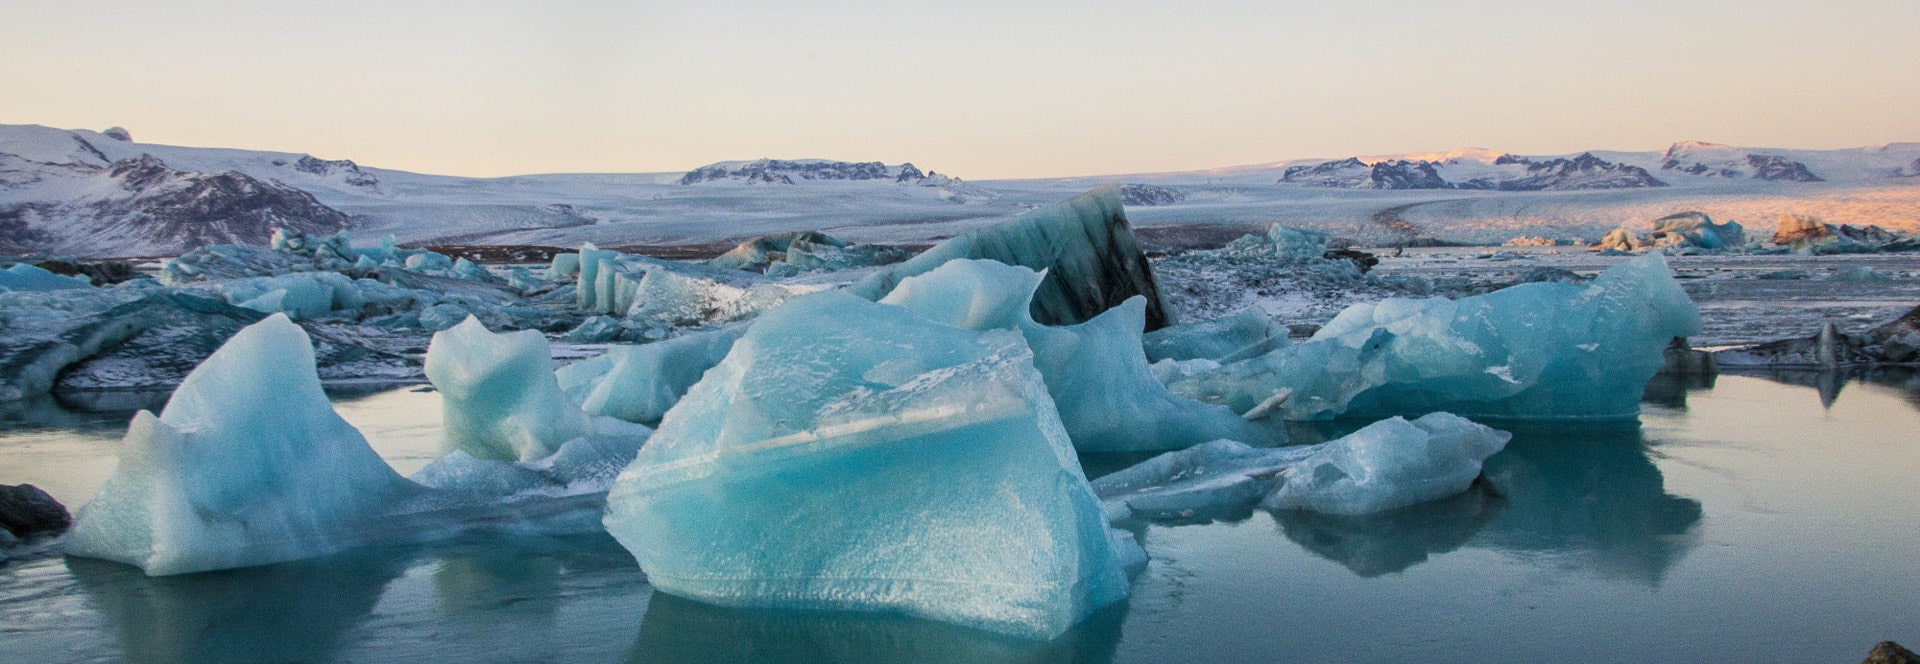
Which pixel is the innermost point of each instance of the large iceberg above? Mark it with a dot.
(674, 293)
(1084, 245)
(1386, 465)
(247, 465)
(1547, 350)
(1098, 376)
(853, 455)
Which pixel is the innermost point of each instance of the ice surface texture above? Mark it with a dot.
(853, 455)
(1386, 465)
(1531, 351)
(639, 383)
(1085, 245)
(247, 465)
(1096, 372)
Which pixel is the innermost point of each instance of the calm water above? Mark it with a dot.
(1751, 520)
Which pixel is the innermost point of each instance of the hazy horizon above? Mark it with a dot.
(980, 90)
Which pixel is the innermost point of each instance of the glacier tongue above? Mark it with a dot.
(1098, 376)
(1533, 351)
(1386, 465)
(247, 465)
(853, 455)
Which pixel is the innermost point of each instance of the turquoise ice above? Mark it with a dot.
(848, 455)
(1098, 376)
(247, 465)
(1548, 350)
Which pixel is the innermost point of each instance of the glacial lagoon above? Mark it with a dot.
(1752, 518)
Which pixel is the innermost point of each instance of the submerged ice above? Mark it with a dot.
(1386, 465)
(853, 455)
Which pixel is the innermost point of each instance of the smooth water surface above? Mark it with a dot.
(1752, 519)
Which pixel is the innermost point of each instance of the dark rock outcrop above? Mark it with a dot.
(780, 171)
(1778, 169)
(1150, 195)
(26, 511)
(99, 273)
(348, 171)
(1888, 652)
(1581, 172)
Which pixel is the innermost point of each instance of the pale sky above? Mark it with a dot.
(976, 89)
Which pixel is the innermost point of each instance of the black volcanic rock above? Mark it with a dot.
(118, 134)
(25, 510)
(909, 173)
(1778, 169)
(1150, 195)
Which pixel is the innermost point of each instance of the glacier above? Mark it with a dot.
(1387, 465)
(247, 465)
(1108, 398)
(851, 455)
(1548, 350)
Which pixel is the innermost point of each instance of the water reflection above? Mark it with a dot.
(1377, 544)
(1588, 497)
(1670, 390)
(495, 598)
(1829, 382)
(289, 612)
(679, 630)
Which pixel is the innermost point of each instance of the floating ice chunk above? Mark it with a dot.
(1520, 352)
(1248, 333)
(854, 456)
(1085, 246)
(498, 394)
(595, 330)
(1386, 465)
(301, 295)
(564, 266)
(24, 277)
(1389, 464)
(583, 465)
(1107, 396)
(427, 261)
(641, 383)
(247, 465)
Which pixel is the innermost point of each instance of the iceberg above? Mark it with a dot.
(498, 394)
(805, 250)
(24, 277)
(247, 465)
(848, 455)
(1108, 398)
(640, 383)
(673, 293)
(1248, 333)
(1384, 466)
(1085, 246)
(1548, 350)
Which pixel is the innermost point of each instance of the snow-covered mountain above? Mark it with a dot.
(58, 194)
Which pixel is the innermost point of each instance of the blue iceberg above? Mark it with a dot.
(1548, 350)
(1107, 396)
(247, 465)
(850, 455)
